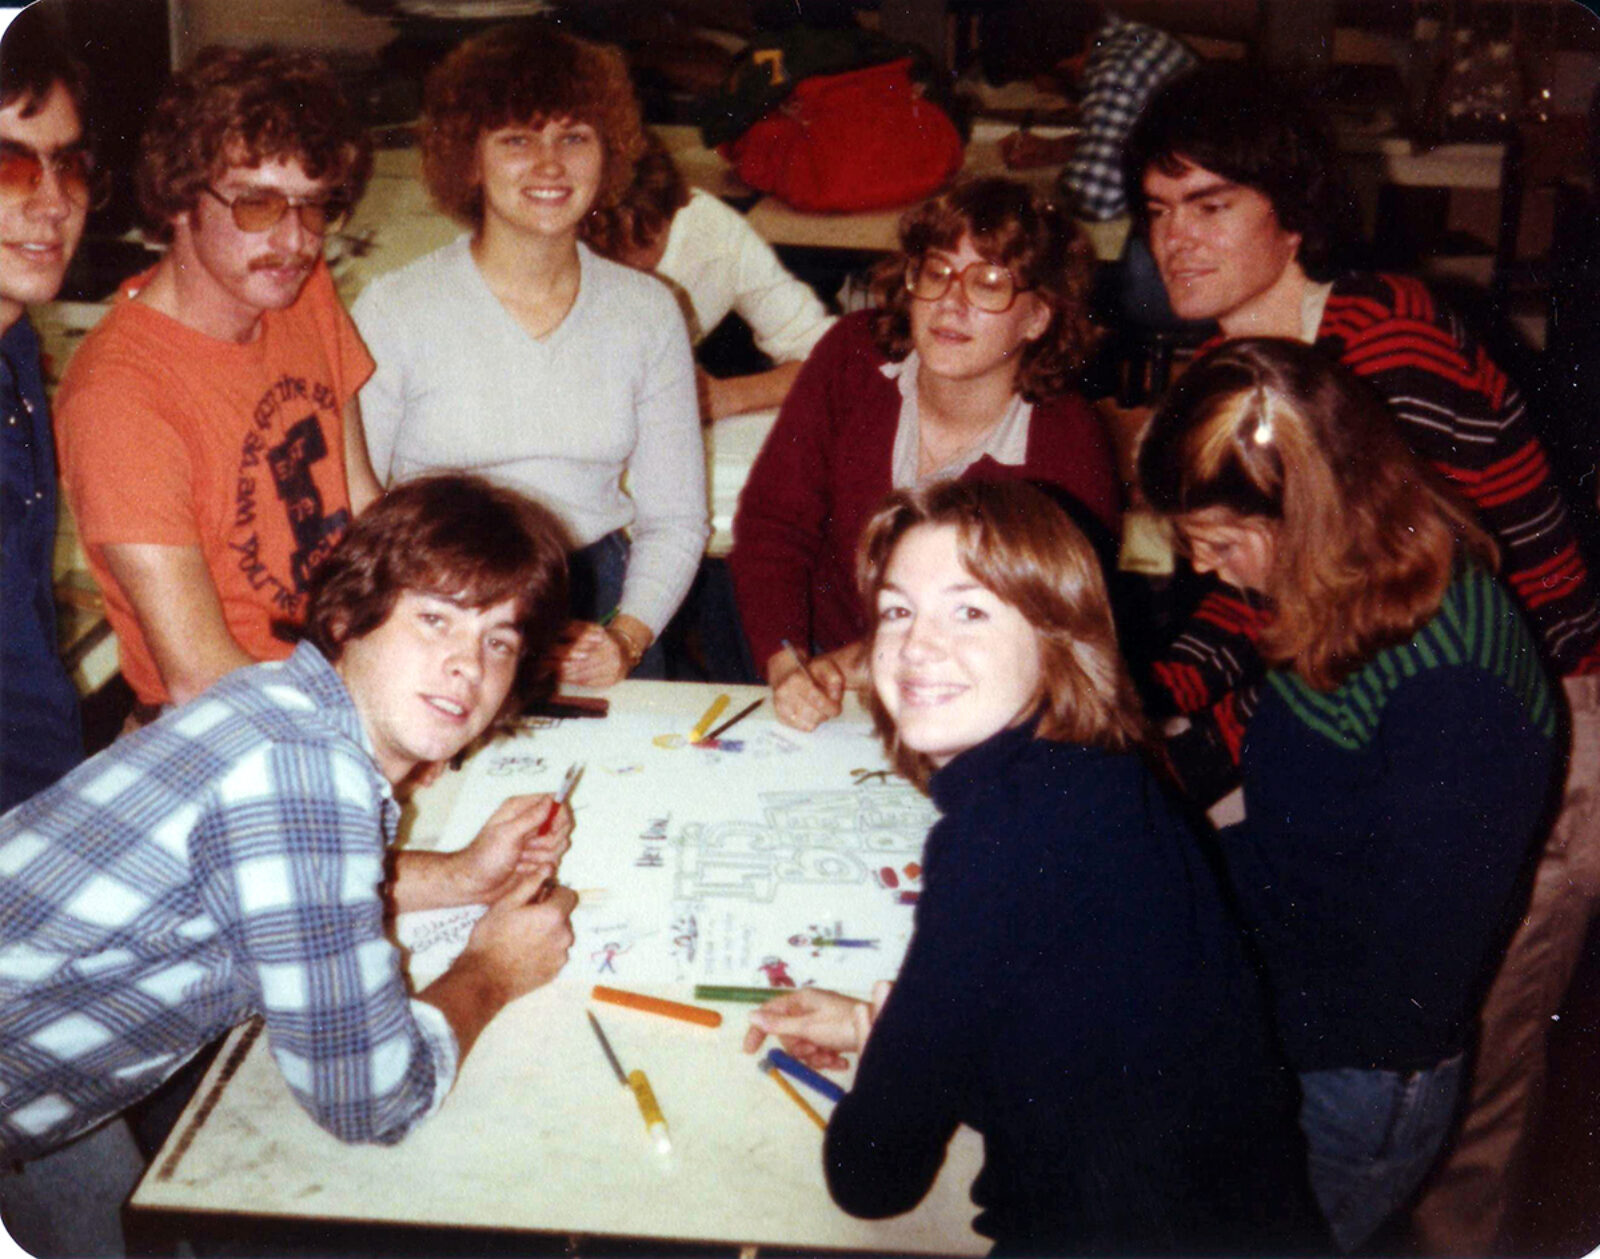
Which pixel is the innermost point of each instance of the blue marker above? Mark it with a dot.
(805, 1074)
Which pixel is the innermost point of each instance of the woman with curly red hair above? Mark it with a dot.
(517, 353)
(964, 370)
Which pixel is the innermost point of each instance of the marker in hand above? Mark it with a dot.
(574, 773)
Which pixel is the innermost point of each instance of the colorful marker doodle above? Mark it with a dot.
(700, 868)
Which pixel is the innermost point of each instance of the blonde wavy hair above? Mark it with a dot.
(1367, 537)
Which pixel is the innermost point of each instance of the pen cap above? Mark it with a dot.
(654, 1120)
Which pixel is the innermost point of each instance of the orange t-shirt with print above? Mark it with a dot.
(171, 437)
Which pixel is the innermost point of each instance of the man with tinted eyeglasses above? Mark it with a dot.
(210, 444)
(45, 181)
(64, 1203)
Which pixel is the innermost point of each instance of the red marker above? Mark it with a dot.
(559, 799)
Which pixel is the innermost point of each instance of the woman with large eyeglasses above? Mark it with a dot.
(965, 369)
(517, 353)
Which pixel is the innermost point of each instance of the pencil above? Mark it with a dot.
(794, 1094)
(657, 1005)
(805, 665)
(734, 720)
(711, 714)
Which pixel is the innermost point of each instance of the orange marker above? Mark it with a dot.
(656, 1005)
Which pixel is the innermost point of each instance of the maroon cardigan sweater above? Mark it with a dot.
(824, 469)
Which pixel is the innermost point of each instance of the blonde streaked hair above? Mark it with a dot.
(1367, 537)
(1018, 543)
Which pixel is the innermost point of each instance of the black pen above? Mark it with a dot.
(733, 720)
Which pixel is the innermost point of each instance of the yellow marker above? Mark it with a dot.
(635, 1082)
(704, 724)
(793, 1093)
(654, 1120)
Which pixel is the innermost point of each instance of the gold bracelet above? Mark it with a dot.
(632, 652)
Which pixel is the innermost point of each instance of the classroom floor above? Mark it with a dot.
(1560, 1214)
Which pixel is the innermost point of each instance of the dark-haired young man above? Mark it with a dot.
(210, 444)
(228, 860)
(1245, 211)
(46, 180)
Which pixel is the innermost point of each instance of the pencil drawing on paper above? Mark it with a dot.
(758, 867)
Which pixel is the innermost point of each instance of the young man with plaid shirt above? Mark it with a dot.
(229, 860)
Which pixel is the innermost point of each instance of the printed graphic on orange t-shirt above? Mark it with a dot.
(276, 495)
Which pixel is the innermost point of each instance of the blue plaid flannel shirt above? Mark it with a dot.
(1130, 61)
(225, 861)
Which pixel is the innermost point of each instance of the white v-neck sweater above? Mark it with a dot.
(609, 394)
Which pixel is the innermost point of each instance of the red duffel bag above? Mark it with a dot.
(862, 140)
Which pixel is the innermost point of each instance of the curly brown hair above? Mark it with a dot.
(238, 107)
(524, 72)
(645, 209)
(1016, 227)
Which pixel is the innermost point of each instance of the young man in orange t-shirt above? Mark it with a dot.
(210, 443)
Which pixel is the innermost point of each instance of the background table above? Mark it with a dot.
(536, 1134)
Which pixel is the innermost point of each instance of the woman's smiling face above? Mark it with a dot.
(540, 178)
(952, 662)
(1238, 549)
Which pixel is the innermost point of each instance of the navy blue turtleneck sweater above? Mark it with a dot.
(1076, 992)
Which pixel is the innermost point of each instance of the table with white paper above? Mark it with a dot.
(775, 856)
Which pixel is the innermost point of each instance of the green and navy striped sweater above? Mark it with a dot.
(1387, 823)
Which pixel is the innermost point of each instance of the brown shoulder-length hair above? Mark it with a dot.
(242, 107)
(645, 209)
(528, 71)
(1011, 224)
(1018, 543)
(1366, 535)
(453, 535)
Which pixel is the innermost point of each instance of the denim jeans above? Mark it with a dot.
(596, 573)
(68, 1203)
(1372, 1137)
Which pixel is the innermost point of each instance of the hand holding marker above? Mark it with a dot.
(574, 773)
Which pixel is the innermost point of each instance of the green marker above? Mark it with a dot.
(750, 996)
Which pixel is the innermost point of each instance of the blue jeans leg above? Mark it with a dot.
(68, 1203)
(1372, 1137)
(596, 573)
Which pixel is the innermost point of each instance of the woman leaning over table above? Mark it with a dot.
(964, 370)
(1398, 766)
(516, 353)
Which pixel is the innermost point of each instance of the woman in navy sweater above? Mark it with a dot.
(1074, 990)
(1398, 766)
